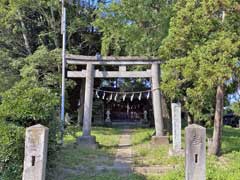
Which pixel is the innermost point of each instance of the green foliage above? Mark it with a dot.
(201, 52)
(8, 73)
(43, 67)
(25, 25)
(27, 103)
(30, 62)
(74, 157)
(131, 28)
(236, 108)
(218, 168)
(11, 151)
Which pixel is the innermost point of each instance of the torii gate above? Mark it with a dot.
(90, 73)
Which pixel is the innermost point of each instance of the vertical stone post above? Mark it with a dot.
(81, 102)
(195, 152)
(157, 108)
(156, 98)
(36, 142)
(87, 117)
(86, 139)
(176, 127)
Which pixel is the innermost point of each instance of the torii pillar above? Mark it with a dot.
(159, 137)
(87, 140)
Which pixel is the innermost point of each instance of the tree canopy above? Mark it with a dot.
(131, 28)
(198, 42)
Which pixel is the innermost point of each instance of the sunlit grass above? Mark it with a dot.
(83, 162)
(74, 160)
(225, 167)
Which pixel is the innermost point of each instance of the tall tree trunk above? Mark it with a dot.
(24, 34)
(53, 25)
(218, 120)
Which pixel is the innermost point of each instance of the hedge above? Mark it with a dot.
(11, 151)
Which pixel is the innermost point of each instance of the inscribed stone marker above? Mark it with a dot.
(195, 157)
(35, 159)
(176, 126)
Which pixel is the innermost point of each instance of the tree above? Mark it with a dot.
(8, 72)
(131, 28)
(34, 97)
(27, 105)
(202, 56)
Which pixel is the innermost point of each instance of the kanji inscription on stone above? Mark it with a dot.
(36, 141)
(195, 152)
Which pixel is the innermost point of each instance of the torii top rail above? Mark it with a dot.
(111, 60)
(120, 61)
(90, 73)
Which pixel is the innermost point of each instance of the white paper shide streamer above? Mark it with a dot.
(97, 94)
(116, 96)
(148, 95)
(104, 94)
(140, 96)
(111, 96)
(132, 97)
(124, 97)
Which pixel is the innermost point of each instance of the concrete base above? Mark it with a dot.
(145, 125)
(160, 140)
(87, 142)
(108, 123)
(172, 152)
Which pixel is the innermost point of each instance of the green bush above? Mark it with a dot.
(28, 104)
(11, 151)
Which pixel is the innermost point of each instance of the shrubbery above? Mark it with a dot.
(27, 104)
(11, 151)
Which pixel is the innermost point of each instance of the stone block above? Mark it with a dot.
(35, 158)
(195, 152)
(87, 142)
(176, 126)
(159, 140)
(172, 152)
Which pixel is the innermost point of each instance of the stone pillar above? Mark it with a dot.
(108, 119)
(159, 138)
(81, 103)
(195, 152)
(176, 127)
(87, 117)
(86, 139)
(36, 142)
(145, 116)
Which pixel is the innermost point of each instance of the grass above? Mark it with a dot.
(107, 176)
(147, 155)
(225, 167)
(76, 163)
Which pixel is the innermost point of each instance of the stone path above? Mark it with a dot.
(123, 159)
(123, 162)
